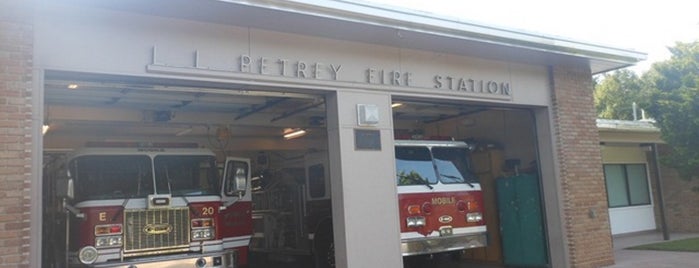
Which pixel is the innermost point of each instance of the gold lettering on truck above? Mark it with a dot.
(103, 216)
(443, 200)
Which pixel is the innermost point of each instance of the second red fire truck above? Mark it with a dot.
(440, 204)
(440, 200)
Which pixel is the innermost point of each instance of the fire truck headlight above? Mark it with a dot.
(474, 217)
(202, 234)
(88, 255)
(115, 241)
(101, 242)
(107, 241)
(420, 221)
(413, 222)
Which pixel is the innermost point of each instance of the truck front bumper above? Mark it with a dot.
(226, 259)
(430, 245)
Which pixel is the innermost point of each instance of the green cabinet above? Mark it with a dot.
(521, 221)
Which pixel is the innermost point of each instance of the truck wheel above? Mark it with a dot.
(324, 249)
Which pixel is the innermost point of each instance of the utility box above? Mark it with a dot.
(521, 221)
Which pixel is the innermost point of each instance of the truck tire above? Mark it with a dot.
(324, 248)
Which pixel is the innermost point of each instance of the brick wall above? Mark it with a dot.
(586, 218)
(681, 199)
(16, 45)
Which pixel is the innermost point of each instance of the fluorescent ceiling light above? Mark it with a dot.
(397, 104)
(294, 134)
(44, 129)
(184, 131)
(72, 86)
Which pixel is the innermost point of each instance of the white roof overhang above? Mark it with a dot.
(378, 24)
(624, 131)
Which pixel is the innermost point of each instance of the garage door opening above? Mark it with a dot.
(200, 168)
(502, 163)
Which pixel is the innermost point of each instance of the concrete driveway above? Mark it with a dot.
(626, 258)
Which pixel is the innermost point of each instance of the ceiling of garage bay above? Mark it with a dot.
(127, 109)
(147, 109)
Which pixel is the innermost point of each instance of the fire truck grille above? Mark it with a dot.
(156, 231)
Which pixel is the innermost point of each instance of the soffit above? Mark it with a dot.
(376, 24)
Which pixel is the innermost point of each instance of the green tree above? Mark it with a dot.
(615, 94)
(674, 104)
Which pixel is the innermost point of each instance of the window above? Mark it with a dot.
(627, 185)
(186, 175)
(98, 177)
(414, 166)
(452, 164)
(237, 177)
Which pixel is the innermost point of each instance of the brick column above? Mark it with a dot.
(16, 50)
(586, 216)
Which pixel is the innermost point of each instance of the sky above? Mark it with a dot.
(648, 26)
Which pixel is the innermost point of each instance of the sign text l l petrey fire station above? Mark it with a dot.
(314, 70)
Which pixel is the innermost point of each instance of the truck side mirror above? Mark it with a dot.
(237, 177)
(64, 188)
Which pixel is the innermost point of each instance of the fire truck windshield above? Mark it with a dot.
(452, 165)
(416, 165)
(186, 175)
(98, 177)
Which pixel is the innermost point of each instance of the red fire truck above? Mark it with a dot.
(154, 205)
(441, 204)
(440, 201)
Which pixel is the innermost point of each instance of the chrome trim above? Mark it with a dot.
(106, 254)
(429, 245)
(158, 252)
(94, 251)
(238, 241)
(214, 246)
(156, 231)
(446, 218)
(228, 258)
(141, 203)
(456, 230)
(470, 230)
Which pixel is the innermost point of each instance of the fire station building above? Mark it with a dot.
(236, 76)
